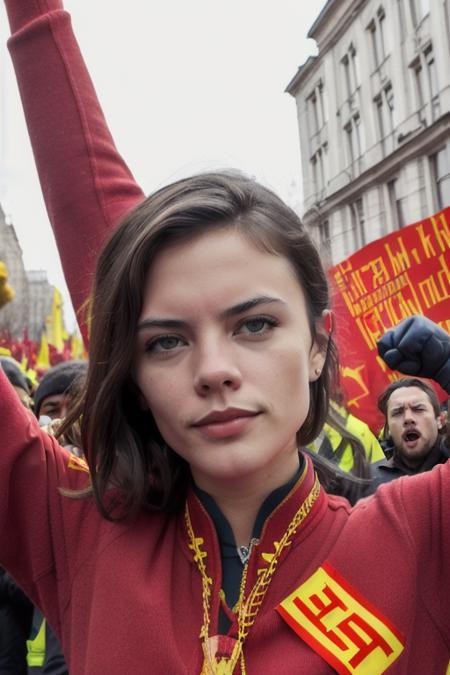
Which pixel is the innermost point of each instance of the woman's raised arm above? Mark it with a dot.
(87, 186)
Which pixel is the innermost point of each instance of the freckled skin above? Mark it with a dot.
(260, 360)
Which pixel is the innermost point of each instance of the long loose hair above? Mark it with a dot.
(122, 443)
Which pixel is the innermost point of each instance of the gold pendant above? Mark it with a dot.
(221, 653)
(221, 667)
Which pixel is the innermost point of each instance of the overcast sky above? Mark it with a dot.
(186, 85)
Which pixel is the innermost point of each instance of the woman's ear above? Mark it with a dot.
(316, 361)
(318, 353)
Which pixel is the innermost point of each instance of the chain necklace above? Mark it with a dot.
(247, 609)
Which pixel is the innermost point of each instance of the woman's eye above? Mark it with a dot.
(258, 325)
(164, 343)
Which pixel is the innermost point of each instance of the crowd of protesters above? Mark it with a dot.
(185, 528)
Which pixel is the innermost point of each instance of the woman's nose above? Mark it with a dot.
(216, 371)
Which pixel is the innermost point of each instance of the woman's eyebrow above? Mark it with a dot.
(246, 305)
(161, 323)
(241, 307)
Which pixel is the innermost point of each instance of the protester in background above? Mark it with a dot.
(15, 621)
(414, 431)
(17, 379)
(57, 389)
(348, 441)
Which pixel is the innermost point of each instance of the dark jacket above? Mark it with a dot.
(15, 621)
(386, 470)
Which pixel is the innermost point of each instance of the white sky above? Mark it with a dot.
(185, 86)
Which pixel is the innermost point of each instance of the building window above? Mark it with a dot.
(440, 169)
(418, 79)
(324, 236)
(350, 71)
(313, 114)
(318, 161)
(389, 97)
(384, 104)
(354, 138)
(380, 116)
(397, 205)
(358, 222)
(419, 10)
(432, 80)
(350, 142)
(377, 32)
(401, 19)
(426, 81)
(317, 110)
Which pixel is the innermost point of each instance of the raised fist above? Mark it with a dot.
(418, 347)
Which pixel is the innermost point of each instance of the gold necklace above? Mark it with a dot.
(247, 608)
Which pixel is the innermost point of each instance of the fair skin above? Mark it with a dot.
(55, 406)
(224, 357)
(413, 424)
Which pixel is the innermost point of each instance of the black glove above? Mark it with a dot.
(418, 347)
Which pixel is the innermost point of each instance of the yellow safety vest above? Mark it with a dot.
(36, 648)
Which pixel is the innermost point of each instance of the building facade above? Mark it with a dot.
(13, 315)
(41, 297)
(33, 292)
(374, 120)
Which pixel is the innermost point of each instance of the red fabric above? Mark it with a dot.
(87, 186)
(127, 598)
(404, 273)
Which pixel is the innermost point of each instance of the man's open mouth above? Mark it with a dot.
(410, 436)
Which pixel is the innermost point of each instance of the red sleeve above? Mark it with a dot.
(424, 504)
(39, 528)
(87, 186)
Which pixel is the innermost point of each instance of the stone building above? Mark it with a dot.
(41, 297)
(374, 119)
(14, 315)
(33, 293)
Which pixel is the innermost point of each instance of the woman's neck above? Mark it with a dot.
(240, 503)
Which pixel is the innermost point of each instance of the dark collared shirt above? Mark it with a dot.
(233, 559)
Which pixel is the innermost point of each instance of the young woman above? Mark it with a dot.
(207, 544)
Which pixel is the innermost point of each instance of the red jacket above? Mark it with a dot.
(127, 598)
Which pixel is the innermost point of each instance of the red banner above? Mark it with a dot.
(404, 273)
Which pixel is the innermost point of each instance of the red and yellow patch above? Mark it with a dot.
(340, 625)
(77, 463)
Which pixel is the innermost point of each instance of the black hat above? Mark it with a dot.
(58, 380)
(13, 373)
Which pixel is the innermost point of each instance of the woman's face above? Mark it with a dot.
(223, 358)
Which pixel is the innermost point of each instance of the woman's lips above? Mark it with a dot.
(225, 423)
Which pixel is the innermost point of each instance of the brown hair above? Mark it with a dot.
(122, 443)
